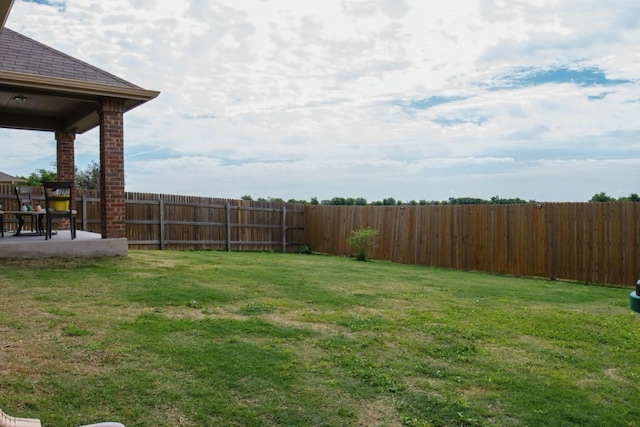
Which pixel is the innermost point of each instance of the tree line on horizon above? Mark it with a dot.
(495, 200)
(89, 179)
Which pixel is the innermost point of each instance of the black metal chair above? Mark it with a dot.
(58, 204)
(25, 203)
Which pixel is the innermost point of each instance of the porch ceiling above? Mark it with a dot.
(48, 103)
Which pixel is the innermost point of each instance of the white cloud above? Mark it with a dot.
(298, 99)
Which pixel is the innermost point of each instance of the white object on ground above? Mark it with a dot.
(9, 421)
(104, 425)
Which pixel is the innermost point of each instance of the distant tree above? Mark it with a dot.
(633, 197)
(298, 202)
(500, 201)
(389, 201)
(601, 197)
(466, 201)
(246, 197)
(35, 179)
(88, 179)
(338, 201)
(314, 201)
(360, 201)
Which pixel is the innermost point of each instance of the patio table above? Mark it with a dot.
(36, 217)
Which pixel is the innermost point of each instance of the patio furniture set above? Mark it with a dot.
(58, 197)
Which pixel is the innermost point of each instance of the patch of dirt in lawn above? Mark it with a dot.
(473, 391)
(379, 413)
(174, 417)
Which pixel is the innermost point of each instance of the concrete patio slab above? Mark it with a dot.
(85, 245)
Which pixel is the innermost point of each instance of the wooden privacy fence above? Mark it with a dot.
(587, 242)
(161, 221)
(189, 222)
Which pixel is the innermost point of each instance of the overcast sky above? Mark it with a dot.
(410, 99)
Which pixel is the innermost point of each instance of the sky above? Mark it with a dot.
(407, 99)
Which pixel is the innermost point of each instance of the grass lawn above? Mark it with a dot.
(262, 339)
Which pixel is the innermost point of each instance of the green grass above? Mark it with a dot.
(258, 339)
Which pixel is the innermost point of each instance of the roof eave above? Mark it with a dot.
(82, 120)
(70, 87)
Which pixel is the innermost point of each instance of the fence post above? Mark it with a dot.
(84, 212)
(284, 228)
(228, 209)
(161, 223)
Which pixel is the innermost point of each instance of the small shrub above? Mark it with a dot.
(362, 241)
(305, 249)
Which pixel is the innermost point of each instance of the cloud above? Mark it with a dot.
(377, 98)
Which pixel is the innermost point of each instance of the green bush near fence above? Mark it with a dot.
(362, 241)
(163, 338)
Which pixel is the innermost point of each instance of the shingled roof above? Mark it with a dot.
(4, 177)
(19, 53)
(42, 88)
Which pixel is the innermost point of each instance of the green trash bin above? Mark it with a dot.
(634, 298)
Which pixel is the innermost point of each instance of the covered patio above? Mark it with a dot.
(85, 244)
(43, 89)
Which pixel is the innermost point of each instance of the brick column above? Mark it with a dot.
(112, 206)
(65, 164)
(65, 155)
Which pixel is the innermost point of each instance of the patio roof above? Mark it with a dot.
(44, 89)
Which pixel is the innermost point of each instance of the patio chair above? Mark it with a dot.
(23, 195)
(25, 198)
(58, 197)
